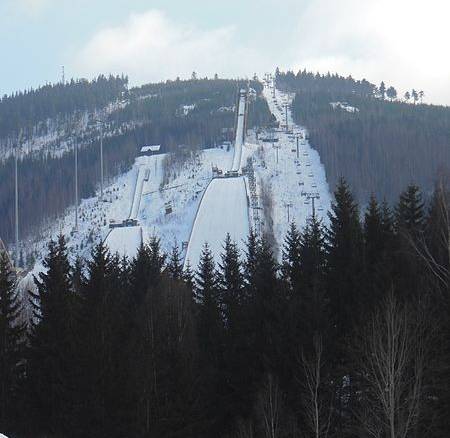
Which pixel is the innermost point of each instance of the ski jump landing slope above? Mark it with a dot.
(127, 240)
(223, 208)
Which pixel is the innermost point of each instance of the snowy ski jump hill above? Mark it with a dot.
(224, 205)
(126, 240)
(188, 205)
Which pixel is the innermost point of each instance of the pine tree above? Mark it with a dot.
(291, 258)
(345, 258)
(345, 269)
(378, 245)
(97, 341)
(373, 232)
(231, 283)
(382, 90)
(52, 353)
(11, 345)
(391, 93)
(157, 260)
(207, 296)
(410, 215)
(252, 248)
(189, 277)
(175, 265)
(313, 273)
(237, 378)
(409, 274)
(268, 305)
(210, 330)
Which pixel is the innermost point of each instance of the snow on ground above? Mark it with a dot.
(52, 135)
(125, 241)
(345, 106)
(169, 211)
(223, 210)
(291, 180)
(183, 194)
(224, 206)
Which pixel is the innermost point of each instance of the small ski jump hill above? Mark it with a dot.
(224, 206)
(127, 239)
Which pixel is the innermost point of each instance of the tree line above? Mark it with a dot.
(384, 146)
(347, 336)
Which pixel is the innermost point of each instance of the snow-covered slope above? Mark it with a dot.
(290, 182)
(125, 241)
(224, 206)
(223, 210)
(168, 208)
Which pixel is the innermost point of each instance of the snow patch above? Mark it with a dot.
(345, 106)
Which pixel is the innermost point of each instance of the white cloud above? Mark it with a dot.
(150, 47)
(404, 42)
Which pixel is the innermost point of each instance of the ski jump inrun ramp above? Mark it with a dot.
(223, 208)
(127, 240)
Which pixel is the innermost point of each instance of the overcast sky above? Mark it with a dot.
(406, 43)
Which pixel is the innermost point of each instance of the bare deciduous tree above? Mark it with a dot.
(392, 357)
(316, 402)
(269, 406)
(439, 269)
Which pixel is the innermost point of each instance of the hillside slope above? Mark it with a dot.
(382, 145)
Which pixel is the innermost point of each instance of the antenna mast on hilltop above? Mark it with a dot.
(63, 76)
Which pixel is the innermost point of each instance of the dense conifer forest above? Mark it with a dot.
(385, 145)
(24, 110)
(152, 114)
(347, 337)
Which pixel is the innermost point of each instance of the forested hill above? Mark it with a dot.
(378, 142)
(26, 110)
(53, 118)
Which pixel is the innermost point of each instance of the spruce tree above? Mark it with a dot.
(410, 272)
(378, 244)
(345, 269)
(11, 345)
(97, 341)
(207, 296)
(210, 331)
(175, 264)
(252, 248)
(290, 267)
(268, 304)
(312, 274)
(410, 214)
(231, 283)
(52, 354)
(345, 250)
(189, 277)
